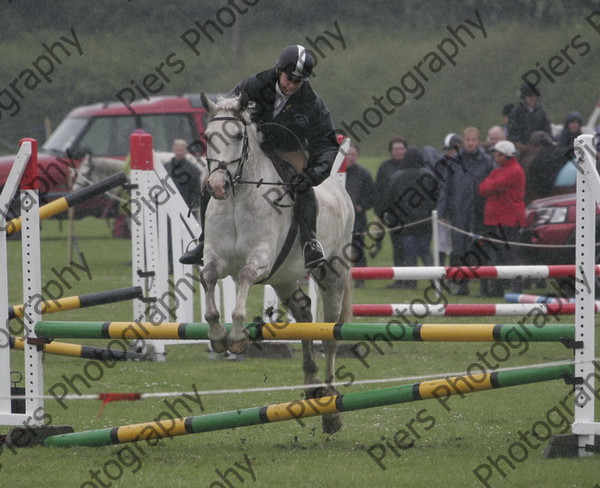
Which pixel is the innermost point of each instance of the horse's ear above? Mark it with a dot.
(243, 101)
(208, 104)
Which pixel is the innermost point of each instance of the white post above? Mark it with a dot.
(32, 287)
(183, 229)
(138, 252)
(435, 237)
(269, 300)
(588, 193)
(144, 241)
(6, 198)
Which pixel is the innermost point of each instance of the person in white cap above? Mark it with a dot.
(504, 191)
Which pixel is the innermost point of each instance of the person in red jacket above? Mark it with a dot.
(504, 191)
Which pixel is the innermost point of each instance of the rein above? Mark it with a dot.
(236, 179)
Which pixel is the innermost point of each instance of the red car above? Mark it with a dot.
(104, 129)
(551, 220)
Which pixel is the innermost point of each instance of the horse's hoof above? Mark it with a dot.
(331, 423)
(220, 345)
(323, 390)
(317, 392)
(239, 347)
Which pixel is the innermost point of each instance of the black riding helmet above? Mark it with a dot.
(296, 61)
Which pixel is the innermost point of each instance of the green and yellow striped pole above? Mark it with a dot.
(81, 301)
(81, 351)
(63, 203)
(313, 331)
(309, 408)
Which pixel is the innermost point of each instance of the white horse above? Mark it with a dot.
(245, 233)
(94, 169)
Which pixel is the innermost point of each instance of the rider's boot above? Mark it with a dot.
(306, 212)
(195, 255)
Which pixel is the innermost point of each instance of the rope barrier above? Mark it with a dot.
(472, 235)
(268, 389)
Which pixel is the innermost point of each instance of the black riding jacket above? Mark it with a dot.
(304, 114)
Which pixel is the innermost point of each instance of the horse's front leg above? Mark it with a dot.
(238, 337)
(217, 333)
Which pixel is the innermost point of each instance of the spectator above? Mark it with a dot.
(459, 202)
(494, 135)
(185, 174)
(451, 145)
(571, 130)
(542, 170)
(527, 117)
(397, 149)
(506, 110)
(359, 184)
(188, 180)
(504, 191)
(408, 204)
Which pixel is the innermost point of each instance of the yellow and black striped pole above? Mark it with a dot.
(309, 408)
(81, 301)
(81, 351)
(70, 200)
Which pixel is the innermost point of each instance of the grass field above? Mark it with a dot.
(446, 444)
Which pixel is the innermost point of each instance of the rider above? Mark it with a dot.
(290, 116)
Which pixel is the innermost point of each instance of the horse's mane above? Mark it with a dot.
(231, 104)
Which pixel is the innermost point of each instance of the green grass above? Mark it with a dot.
(446, 449)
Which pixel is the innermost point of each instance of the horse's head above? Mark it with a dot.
(93, 169)
(226, 143)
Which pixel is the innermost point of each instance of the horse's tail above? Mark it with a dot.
(346, 314)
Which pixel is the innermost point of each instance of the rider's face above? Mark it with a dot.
(287, 85)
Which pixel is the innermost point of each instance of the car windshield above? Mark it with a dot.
(108, 136)
(65, 134)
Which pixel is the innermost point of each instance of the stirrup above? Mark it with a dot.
(194, 255)
(313, 254)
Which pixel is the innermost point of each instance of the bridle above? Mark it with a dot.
(224, 165)
(236, 179)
